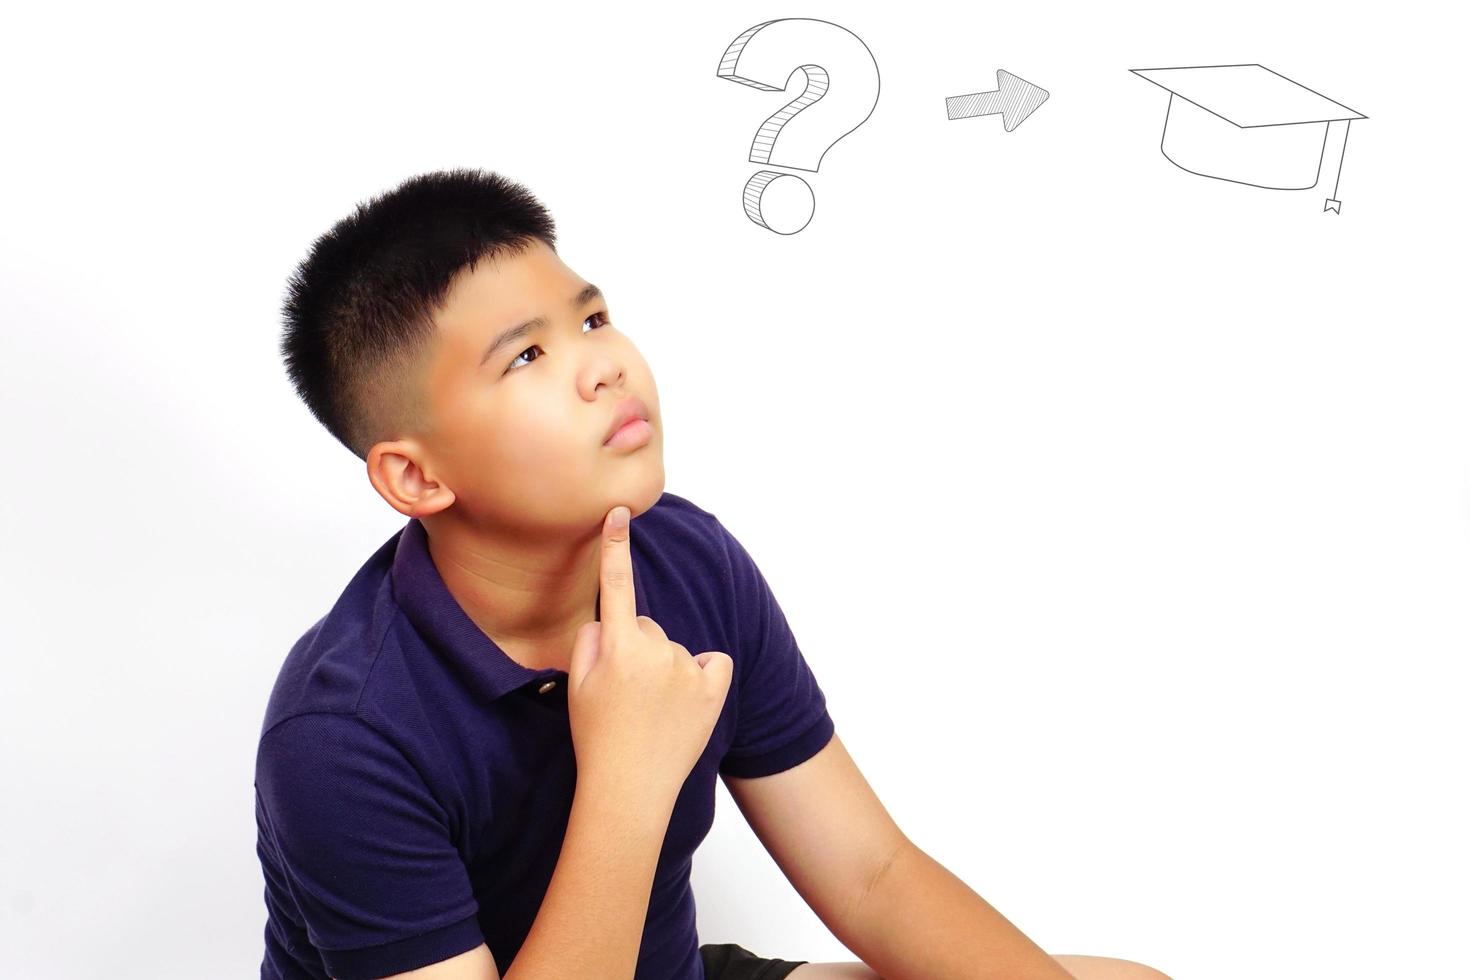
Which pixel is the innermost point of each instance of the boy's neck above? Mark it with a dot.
(531, 604)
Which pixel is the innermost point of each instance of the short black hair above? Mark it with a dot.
(358, 309)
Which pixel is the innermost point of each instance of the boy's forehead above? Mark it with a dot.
(507, 286)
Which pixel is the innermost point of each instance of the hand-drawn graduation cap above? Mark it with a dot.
(1251, 125)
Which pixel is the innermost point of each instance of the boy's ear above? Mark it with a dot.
(394, 471)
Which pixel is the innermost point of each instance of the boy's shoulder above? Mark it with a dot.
(672, 507)
(682, 533)
(677, 528)
(329, 664)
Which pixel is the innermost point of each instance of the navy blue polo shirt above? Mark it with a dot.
(413, 783)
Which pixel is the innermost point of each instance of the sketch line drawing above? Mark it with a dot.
(1332, 202)
(1247, 124)
(1013, 99)
(841, 89)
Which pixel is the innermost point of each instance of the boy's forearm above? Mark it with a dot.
(590, 924)
(920, 922)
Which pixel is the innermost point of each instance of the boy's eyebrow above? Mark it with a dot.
(511, 335)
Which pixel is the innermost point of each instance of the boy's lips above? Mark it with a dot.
(637, 432)
(627, 410)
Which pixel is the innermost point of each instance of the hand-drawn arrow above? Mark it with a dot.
(1014, 100)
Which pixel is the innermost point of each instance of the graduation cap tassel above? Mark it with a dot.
(1332, 203)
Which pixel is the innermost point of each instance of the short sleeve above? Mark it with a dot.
(781, 716)
(361, 849)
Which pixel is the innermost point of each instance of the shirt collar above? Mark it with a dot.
(441, 621)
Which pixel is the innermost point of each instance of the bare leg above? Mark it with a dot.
(851, 970)
(1104, 968)
(1081, 967)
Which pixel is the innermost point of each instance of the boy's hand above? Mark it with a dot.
(641, 707)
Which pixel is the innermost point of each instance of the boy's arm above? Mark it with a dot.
(591, 920)
(825, 828)
(898, 909)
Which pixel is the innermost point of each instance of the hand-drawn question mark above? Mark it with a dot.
(841, 86)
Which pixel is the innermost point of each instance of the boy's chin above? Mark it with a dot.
(638, 499)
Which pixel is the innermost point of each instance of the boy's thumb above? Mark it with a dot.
(584, 653)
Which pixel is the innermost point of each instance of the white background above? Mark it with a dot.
(1121, 513)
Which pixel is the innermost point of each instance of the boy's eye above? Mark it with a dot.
(599, 315)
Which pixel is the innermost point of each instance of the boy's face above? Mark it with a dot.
(518, 437)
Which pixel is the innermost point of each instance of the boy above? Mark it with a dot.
(497, 752)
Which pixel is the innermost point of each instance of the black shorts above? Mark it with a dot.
(727, 961)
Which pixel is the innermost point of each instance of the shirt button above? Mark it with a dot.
(546, 687)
